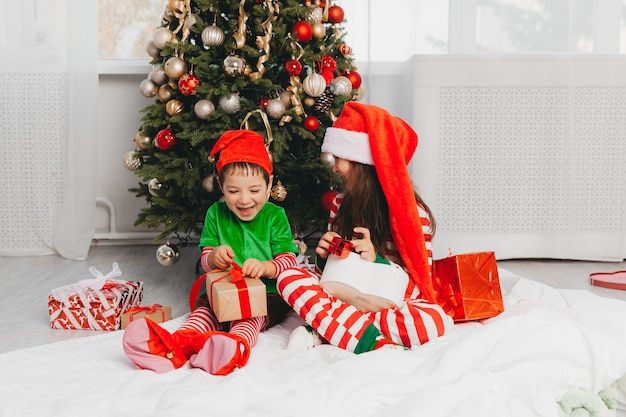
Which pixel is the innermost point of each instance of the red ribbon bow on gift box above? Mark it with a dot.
(148, 309)
(445, 296)
(236, 276)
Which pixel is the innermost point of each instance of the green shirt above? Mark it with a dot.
(262, 238)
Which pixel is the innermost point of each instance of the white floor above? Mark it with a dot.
(25, 283)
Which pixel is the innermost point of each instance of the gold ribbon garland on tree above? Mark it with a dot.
(240, 34)
(263, 42)
(181, 10)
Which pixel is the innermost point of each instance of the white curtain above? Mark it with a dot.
(519, 106)
(48, 90)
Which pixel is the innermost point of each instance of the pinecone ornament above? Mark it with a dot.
(324, 102)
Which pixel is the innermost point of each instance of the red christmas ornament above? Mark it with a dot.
(311, 123)
(344, 49)
(335, 14)
(327, 62)
(327, 199)
(187, 84)
(263, 102)
(293, 67)
(303, 30)
(164, 139)
(354, 77)
(328, 75)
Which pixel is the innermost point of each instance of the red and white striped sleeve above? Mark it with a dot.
(284, 261)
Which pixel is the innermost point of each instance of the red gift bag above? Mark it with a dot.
(468, 286)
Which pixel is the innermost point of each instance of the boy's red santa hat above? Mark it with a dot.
(370, 135)
(241, 146)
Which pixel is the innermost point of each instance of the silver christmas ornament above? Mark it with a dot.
(275, 108)
(158, 75)
(161, 37)
(234, 65)
(230, 104)
(148, 88)
(285, 97)
(327, 159)
(203, 109)
(208, 183)
(341, 86)
(152, 50)
(154, 187)
(360, 93)
(314, 84)
(131, 161)
(175, 67)
(212, 36)
(167, 254)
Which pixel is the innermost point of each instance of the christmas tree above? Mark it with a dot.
(281, 68)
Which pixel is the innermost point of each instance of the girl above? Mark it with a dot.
(388, 222)
(246, 229)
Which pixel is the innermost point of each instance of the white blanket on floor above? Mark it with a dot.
(547, 344)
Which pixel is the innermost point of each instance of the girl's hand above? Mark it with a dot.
(324, 244)
(221, 257)
(253, 268)
(364, 246)
(364, 302)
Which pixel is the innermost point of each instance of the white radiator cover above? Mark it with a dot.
(525, 156)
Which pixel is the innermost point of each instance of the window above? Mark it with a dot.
(394, 30)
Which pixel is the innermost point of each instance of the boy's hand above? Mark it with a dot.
(222, 257)
(253, 268)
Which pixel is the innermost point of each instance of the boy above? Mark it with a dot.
(243, 228)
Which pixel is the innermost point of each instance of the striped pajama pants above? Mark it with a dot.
(342, 325)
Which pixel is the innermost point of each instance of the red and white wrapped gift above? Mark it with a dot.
(96, 304)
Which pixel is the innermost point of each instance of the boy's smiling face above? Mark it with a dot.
(245, 193)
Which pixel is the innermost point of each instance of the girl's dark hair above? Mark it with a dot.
(246, 168)
(365, 205)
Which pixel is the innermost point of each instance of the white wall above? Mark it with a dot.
(119, 118)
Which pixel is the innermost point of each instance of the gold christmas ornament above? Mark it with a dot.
(319, 31)
(174, 107)
(309, 101)
(314, 84)
(161, 37)
(167, 254)
(142, 141)
(175, 68)
(165, 93)
(212, 36)
(279, 192)
(131, 161)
